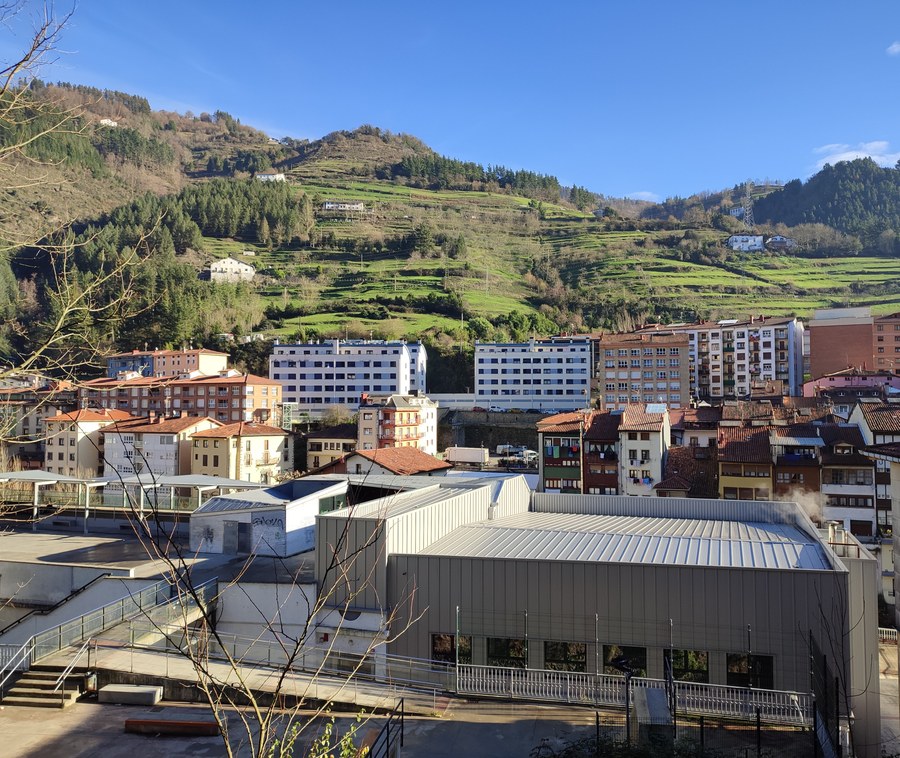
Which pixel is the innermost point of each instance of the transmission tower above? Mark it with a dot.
(748, 205)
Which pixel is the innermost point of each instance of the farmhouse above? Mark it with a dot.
(270, 176)
(343, 205)
(746, 243)
(231, 270)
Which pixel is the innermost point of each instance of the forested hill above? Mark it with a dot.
(436, 248)
(858, 197)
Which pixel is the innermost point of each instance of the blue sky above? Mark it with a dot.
(644, 98)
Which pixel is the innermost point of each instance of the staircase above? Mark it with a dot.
(35, 687)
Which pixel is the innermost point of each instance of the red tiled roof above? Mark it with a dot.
(691, 469)
(563, 423)
(239, 379)
(603, 426)
(91, 415)
(243, 429)
(159, 425)
(881, 418)
(199, 350)
(744, 444)
(635, 418)
(695, 418)
(889, 450)
(403, 461)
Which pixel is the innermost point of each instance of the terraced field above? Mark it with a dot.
(352, 269)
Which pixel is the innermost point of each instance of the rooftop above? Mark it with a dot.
(403, 460)
(243, 429)
(645, 540)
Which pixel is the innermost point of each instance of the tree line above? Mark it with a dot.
(439, 172)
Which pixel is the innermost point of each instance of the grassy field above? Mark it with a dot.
(351, 268)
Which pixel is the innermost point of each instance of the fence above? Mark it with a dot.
(246, 651)
(76, 631)
(887, 635)
(774, 706)
(695, 737)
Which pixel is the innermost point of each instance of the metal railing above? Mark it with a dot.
(609, 690)
(887, 635)
(385, 743)
(92, 623)
(312, 659)
(60, 683)
(76, 631)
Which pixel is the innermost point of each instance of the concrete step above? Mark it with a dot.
(37, 683)
(41, 700)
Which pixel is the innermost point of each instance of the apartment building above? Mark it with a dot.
(879, 425)
(155, 445)
(561, 464)
(167, 362)
(228, 397)
(23, 410)
(644, 438)
(745, 463)
(74, 444)
(249, 451)
(840, 338)
(546, 375)
(314, 376)
(730, 356)
(887, 343)
(820, 467)
(397, 421)
(328, 445)
(649, 367)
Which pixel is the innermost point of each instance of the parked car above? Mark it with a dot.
(496, 409)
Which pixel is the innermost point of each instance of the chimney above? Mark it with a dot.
(832, 530)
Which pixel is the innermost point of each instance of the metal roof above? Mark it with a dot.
(283, 494)
(626, 539)
(151, 481)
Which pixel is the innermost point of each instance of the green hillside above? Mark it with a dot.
(443, 249)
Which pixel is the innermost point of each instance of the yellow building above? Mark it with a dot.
(745, 463)
(245, 450)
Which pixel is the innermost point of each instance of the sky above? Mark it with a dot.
(630, 98)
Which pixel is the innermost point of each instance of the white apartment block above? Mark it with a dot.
(154, 445)
(728, 355)
(315, 376)
(549, 375)
(398, 421)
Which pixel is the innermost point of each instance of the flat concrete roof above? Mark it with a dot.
(94, 551)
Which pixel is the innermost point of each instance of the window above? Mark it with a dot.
(635, 658)
(687, 665)
(443, 648)
(510, 653)
(750, 671)
(565, 656)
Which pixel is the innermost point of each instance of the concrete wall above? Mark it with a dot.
(97, 595)
(46, 583)
(260, 610)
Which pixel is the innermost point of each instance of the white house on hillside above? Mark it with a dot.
(270, 176)
(231, 270)
(746, 243)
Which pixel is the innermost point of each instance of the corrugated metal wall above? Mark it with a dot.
(624, 604)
